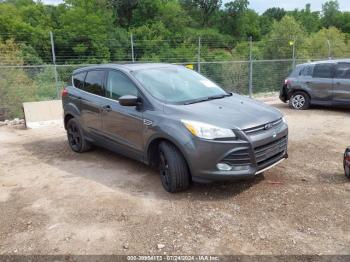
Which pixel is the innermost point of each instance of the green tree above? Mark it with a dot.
(275, 13)
(328, 42)
(83, 32)
(310, 20)
(239, 21)
(330, 13)
(15, 85)
(284, 34)
(123, 11)
(343, 22)
(203, 10)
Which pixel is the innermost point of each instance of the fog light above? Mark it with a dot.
(240, 168)
(223, 167)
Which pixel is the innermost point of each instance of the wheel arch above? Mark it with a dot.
(67, 117)
(299, 90)
(70, 111)
(152, 148)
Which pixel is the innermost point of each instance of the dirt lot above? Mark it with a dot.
(54, 201)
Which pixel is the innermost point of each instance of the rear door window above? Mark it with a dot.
(343, 71)
(94, 82)
(323, 70)
(78, 80)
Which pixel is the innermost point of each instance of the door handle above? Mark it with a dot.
(107, 108)
(338, 83)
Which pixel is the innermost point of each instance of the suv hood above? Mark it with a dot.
(233, 112)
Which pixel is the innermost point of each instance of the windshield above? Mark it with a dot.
(177, 84)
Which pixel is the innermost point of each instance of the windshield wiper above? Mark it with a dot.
(207, 98)
(196, 101)
(218, 96)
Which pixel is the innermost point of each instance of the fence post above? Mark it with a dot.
(199, 55)
(329, 49)
(132, 48)
(293, 53)
(250, 67)
(54, 64)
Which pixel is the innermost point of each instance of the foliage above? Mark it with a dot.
(99, 31)
(318, 43)
(310, 20)
(15, 85)
(275, 13)
(96, 31)
(284, 34)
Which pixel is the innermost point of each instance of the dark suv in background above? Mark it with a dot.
(175, 119)
(318, 83)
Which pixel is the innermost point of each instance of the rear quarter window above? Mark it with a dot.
(78, 80)
(296, 71)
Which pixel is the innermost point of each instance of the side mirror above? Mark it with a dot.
(129, 100)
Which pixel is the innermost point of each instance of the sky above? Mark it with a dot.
(261, 5)
(316, 5)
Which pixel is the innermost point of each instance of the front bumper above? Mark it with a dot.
(248, 155)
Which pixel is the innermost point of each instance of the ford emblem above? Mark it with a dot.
(267, 126)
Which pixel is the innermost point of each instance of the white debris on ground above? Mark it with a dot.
(19, 122)
(14, 122)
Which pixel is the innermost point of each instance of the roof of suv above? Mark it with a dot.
(128, 66)
(327, 61)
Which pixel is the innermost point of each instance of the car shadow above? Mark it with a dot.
(123, 174)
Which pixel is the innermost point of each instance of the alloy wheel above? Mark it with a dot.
(164, 170)
(298, 101)
(74, 137)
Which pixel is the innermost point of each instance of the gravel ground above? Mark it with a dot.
(54, 201)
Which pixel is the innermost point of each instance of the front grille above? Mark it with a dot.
(238, 158)
(269, 153)
(260, 128)
(265, 155)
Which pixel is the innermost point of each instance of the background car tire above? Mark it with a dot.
(173, 168)
(347, 171)
(299, 101)
(76, 139)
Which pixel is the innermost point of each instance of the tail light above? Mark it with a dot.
(64, 92)
(287, 81)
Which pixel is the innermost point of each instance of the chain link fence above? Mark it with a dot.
(238, 67)
(20, 84)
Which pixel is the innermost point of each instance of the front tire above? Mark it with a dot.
(299, 101)
(173, 168)
(76, 139)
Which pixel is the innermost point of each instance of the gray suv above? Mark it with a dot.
(318, 83)
(175, 119)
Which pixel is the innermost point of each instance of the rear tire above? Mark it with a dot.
(173, 168)
(76, 139)
(299, 101)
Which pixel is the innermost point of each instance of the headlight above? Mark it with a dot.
(207, 131)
